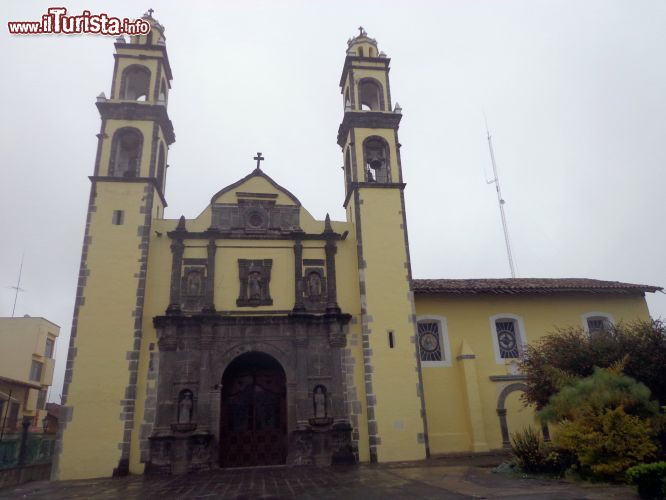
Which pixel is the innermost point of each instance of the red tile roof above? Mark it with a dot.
(527, 286)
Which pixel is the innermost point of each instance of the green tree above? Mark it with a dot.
(606, 420)
(568, 354)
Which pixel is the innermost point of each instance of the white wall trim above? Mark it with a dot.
(521, 337)
(443, 342)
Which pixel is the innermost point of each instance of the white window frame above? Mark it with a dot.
(444, 344)
(521, 336)
(595, 314)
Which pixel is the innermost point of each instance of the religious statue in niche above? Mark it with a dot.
(254, 283)
(185, 406)
(254, 277)
(194, 282)
(320, 406)
(314, 288)
(314, 285)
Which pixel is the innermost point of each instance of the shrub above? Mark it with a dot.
(533, 455)
(606, 444)
(650, 479)
(566, 354)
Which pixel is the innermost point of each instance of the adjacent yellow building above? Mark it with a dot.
(255, 334)
(27, 350)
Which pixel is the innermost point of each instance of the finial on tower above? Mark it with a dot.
(150, 12)
(181, 224)
(362, 32)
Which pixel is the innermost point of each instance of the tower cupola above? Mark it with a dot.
(362, 45)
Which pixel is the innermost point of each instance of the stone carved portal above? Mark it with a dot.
(253, 416)
(281, 399)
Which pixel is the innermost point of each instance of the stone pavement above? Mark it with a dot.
(441, 479)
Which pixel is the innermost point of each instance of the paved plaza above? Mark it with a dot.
(441, 479)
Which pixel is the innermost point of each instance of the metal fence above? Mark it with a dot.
(38, 450)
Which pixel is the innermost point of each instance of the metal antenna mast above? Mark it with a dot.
(496, 181)
(17, 288)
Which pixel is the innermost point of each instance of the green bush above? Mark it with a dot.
(650, 479)
(533, 455)
(607, 444)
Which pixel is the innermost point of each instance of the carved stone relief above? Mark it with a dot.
(256, 216)
(254, 277)
(193, 284)
(314, 289)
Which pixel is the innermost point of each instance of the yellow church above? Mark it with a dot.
(256, 335)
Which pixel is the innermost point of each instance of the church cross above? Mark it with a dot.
(360, 30)
(150, 12)
(259, 158)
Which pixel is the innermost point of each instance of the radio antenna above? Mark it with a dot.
(496, 181)
(17, 288)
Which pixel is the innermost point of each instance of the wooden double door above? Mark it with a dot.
(253, 417)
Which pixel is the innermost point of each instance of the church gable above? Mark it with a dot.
(256, 204)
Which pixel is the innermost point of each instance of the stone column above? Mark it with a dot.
(177, 249)
(203, 403)
(210, 277)
(301, 342)
(298, 277)
(331, 287)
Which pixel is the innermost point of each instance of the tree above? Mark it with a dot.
(607, 420)
(565, 355)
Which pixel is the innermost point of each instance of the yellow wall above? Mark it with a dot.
(105, 334)
(450, 424)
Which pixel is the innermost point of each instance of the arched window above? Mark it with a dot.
(126, 153)
(360, 51)
(371, 95)
(162, 98)
(348, 174)
(135, 83)
(508, 336)
(376, 157)
(161, 167)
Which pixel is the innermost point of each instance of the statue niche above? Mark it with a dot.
(193, 285)
(314, 288)
(320, 407)
(254, 277)
(184, 412)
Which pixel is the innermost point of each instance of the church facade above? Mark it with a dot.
(256, 335)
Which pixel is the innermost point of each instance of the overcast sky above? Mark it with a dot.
(574, 92)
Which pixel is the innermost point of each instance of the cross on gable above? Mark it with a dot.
(259, 158)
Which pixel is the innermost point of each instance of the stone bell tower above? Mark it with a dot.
(126, 195)
(368, 136)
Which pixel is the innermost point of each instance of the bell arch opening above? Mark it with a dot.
(253, 414)
(135, 83)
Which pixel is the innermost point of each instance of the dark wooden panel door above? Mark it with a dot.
(253, 417)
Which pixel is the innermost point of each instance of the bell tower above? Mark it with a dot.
(126, 195)
(374, 201)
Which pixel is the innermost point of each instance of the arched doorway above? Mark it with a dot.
(253, 417)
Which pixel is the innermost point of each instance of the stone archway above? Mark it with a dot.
(501, 410)
(253, 412)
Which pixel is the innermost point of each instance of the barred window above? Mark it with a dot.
(507, 338)
(430, 345)
(597, 324)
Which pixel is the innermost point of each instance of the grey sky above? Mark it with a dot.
(574, 93)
